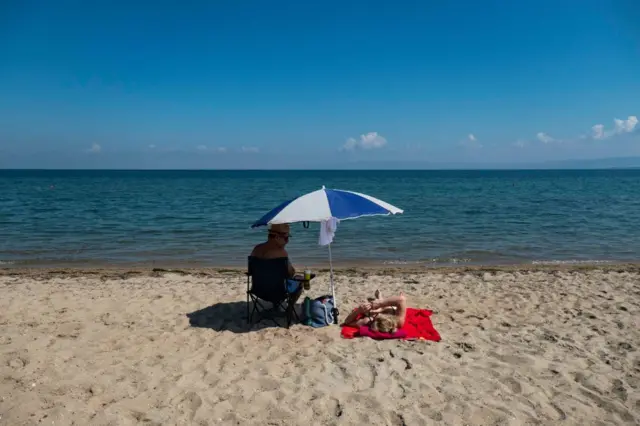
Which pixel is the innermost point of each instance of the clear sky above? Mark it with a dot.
(199, 84)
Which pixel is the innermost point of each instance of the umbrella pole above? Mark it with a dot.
(333, 289)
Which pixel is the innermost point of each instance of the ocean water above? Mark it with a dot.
(203, 218)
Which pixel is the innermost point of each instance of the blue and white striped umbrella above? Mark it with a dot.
(323, 204)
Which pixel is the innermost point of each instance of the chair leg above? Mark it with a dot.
(291, 312)
(257, 312)
(251, 312)
(249, 297)
(258, 308)
(289, 316)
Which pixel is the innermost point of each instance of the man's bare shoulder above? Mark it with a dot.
(258, 249)
(268, 252)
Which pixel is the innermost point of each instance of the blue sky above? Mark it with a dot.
(238, 84)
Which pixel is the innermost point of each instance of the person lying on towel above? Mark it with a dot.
(385, 315)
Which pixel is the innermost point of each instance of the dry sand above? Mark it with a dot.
(519, 347)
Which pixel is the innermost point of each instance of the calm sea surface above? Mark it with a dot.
(203, 218)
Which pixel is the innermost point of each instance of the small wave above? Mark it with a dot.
(570, 262)
(450, 260)
(7, 262)
(453, 260)
(400, 262)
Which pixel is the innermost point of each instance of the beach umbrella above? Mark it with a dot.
(327, 206)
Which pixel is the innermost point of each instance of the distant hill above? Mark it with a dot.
(602, 163)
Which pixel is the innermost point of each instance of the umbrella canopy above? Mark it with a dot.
(323, 204)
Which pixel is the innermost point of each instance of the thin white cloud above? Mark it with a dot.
(597, 132)
(625, 126)
(545, 138)
(471, 142)
(152, 146)
(95, 148)
(371, 140)
(250, 149)
(350, 144)
(620, 127)
(520, 143)
(201, 147)
(221, 149)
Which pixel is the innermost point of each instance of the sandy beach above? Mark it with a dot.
(519, 346)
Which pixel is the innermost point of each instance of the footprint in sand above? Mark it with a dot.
(397, 391)
(268, 384)
(187, 404)
(17, 360)
(16, 363)
(398, 419)
(512, 384)
(69, 331)
(466, 347)
(625, 346)
(618, 389)
(337, 410)
(511, 359)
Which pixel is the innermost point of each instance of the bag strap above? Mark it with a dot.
(326, 314)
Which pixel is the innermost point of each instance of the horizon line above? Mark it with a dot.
(325, 169)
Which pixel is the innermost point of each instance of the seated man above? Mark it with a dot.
(273, 248)
(385, 315)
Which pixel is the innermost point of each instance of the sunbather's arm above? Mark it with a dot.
(399, 302)
(351, 319)
(387, 310)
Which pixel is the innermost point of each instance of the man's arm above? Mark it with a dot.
(292, 270)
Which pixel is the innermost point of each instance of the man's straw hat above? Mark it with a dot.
(280, 228)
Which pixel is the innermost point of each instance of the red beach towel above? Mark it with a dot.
(417, 326)
(365, 331)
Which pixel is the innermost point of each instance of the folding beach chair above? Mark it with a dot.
(267, 282)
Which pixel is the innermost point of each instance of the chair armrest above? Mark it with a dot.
(300, 278)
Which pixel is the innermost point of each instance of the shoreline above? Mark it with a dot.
(119, 271)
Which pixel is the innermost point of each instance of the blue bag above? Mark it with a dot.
(318, 312)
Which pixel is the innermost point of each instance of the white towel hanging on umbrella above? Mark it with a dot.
(327, 231)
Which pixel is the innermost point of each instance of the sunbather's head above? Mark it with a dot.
(279, 233)
(384, 323)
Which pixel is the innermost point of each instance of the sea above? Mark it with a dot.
(82, 218)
